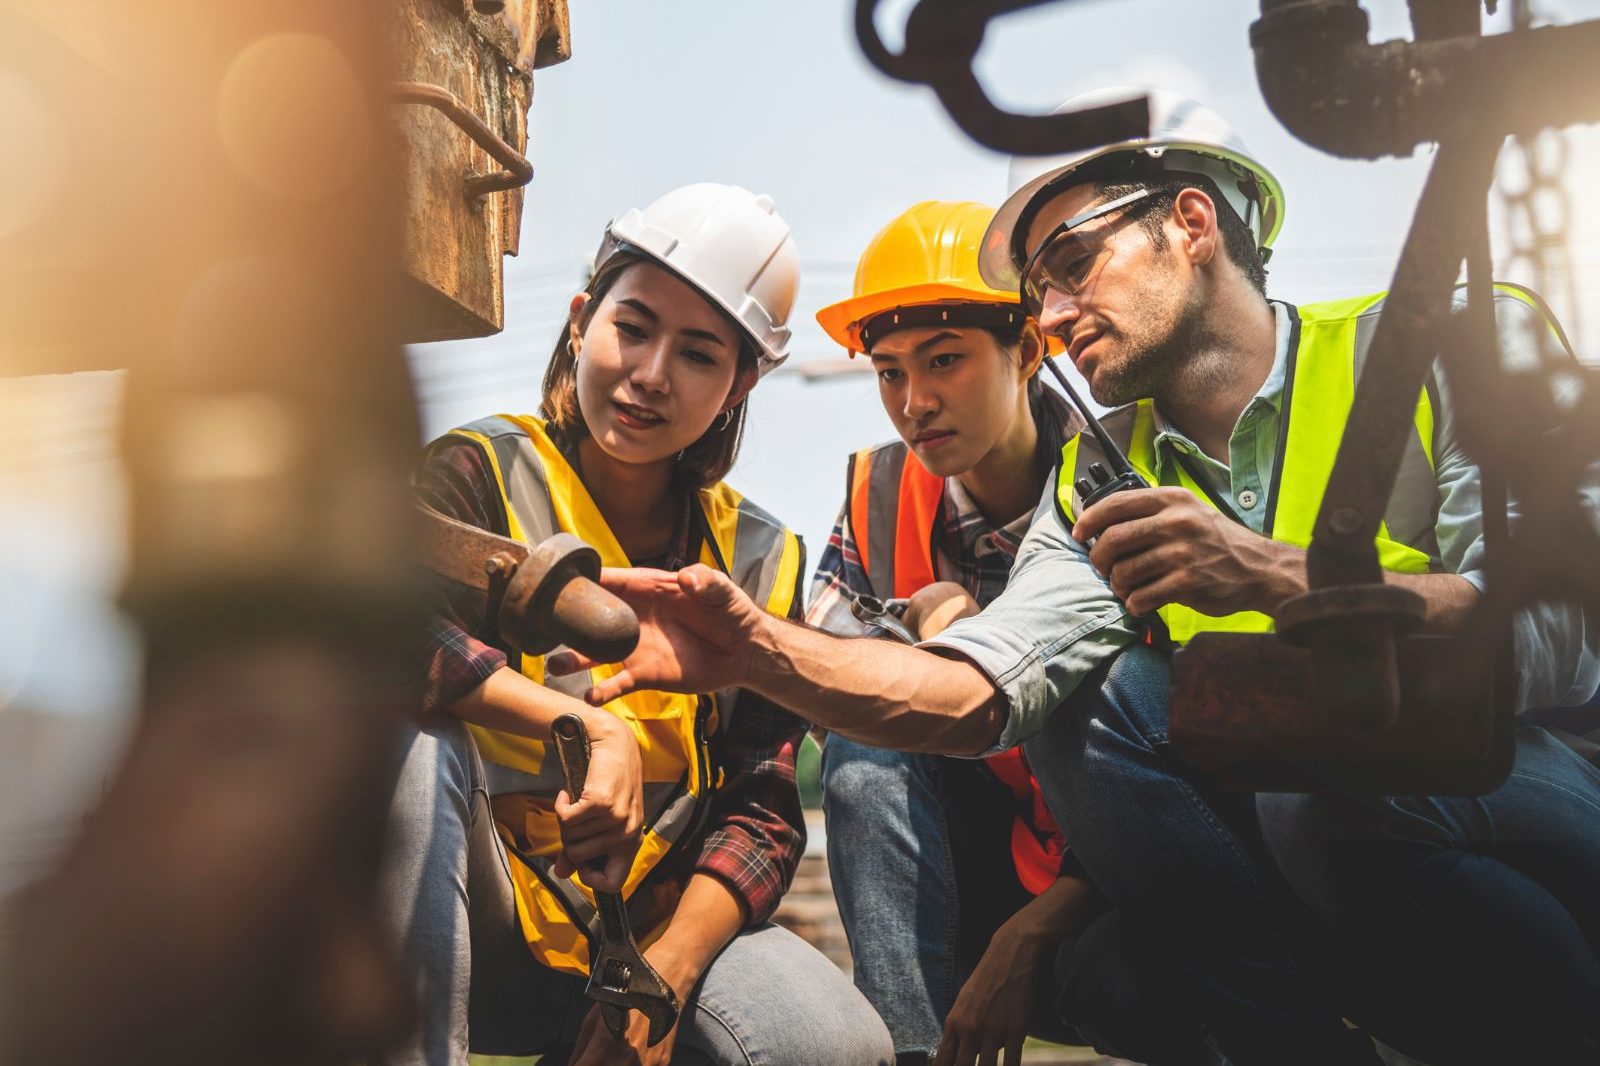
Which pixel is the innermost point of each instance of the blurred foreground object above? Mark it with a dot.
(210, 196)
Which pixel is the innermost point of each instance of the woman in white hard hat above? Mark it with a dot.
(690, 808)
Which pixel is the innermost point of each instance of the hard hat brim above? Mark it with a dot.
(842, 321)
(751, 320)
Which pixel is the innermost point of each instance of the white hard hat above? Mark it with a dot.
(731, 245)
(1185, 137)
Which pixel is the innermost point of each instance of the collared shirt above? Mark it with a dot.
(755, 831)
(1058, 618)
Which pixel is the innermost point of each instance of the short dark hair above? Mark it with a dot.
(1053, 419)
(703, 463)
(1165, 188)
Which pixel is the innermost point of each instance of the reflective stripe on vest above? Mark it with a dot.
(1328, 345)
(543, 495)
(893, 516)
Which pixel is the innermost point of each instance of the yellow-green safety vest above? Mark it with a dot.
(543, 495)
(1328, 345)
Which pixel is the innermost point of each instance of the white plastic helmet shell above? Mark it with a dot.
(731, 245)
(1184, 136)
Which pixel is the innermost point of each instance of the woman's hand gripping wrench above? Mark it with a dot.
(620, 979)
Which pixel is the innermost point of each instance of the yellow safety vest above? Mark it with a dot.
(543, 495)
(1328, 345)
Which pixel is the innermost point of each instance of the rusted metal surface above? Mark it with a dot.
(518, 171)
(456, 239)
(1337, 92)
(1266, 728)
(941, 40)
(540, 597)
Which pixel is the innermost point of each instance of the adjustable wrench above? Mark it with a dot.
(619, 977)
(880, 615)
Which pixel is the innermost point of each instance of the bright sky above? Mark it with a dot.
(775, 96)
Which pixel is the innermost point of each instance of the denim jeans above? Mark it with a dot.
(768, 997)
(919, 853)
(1472, 923)
(1185, 862)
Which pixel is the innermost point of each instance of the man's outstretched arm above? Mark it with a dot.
(699, 632)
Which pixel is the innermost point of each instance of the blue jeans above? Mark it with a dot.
(1185, 862)
(1472, 923)
(769, 997)
(919, 853)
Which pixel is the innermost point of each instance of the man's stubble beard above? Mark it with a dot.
(1153, 359)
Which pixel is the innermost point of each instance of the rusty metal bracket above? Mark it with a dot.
(518, 170)
(943, 37)
(540, 597)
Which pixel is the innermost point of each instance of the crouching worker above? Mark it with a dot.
(951, 876)
(690, 801)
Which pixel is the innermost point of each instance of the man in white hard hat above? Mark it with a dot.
(1147, 259)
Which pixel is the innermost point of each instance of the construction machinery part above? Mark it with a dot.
(1337, 92)
(541, 597)
(478, 72)
(518, 171)
(1266, 729)
(942, 38)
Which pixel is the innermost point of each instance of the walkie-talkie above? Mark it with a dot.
(1101, 482)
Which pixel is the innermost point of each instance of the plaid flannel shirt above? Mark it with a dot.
(755, 831)
(968, 551)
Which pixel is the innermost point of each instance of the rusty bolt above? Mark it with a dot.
(1345, 520)
(500, 564)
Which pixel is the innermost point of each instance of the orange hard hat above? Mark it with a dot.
(927, 258)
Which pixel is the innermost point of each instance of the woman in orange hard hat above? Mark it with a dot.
(953, 880)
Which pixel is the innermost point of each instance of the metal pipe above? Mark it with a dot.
(1335, 91)
(1403, 347)
(518, 170)
(943, 37)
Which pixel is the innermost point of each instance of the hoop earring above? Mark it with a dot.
(571, 354)
(727, 420)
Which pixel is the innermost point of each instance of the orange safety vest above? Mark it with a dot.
(893, 516)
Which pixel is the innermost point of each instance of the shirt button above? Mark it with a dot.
(1247, 499)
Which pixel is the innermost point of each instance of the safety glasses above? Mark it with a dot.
(1074, 252)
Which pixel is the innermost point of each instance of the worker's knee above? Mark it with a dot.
(1325, 847)
(1124, 700)
(1116, 988)
(857, 777)
(810, 1014)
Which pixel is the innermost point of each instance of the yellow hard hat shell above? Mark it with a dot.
(928, 255)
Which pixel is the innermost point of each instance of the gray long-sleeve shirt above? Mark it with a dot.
(1058, 618)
